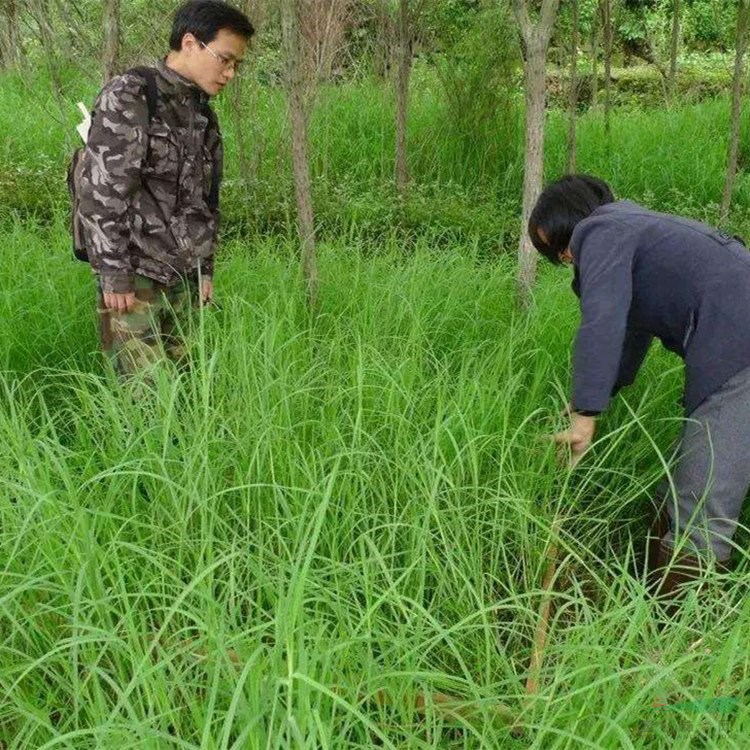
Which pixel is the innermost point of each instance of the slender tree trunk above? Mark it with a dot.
(743, 21)
(243, 113)
(674, 48)
(595, 61)
(111, 51)
(10, 45)
(5, 45)
(573, 99)
(257, 11)
(295, 86)
(403, 74)
(608, 44)
(536, 38)
(384, 41)
(534, 84)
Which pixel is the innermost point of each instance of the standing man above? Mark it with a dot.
(640, 275)
(148, 192)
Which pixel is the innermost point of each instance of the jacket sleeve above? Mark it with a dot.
(634, 351)
(116, 149)
(603, 251)
(217, 162)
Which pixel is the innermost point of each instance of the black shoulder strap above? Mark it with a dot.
(213, 196)
(152, 91)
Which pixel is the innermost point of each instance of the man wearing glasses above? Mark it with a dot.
(149, 184)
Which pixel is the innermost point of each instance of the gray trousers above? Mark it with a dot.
(712, 476)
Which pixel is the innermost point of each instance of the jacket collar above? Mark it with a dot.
(181, 84)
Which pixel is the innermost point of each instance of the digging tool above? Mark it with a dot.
(540, 634)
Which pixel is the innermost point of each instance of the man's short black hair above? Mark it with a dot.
(204, 19)
(561, 206)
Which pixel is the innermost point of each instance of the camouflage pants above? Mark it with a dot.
(152, 332)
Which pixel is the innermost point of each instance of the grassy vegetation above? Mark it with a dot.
(467, 175)
(324, 521)
(326, 511)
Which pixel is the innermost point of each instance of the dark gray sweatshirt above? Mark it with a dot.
(641, 274)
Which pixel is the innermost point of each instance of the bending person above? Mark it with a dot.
(639, 275)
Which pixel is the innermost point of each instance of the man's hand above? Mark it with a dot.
(120, 303)
(207, 291)
(578, 438)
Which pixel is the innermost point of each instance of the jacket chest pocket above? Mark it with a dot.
(164, 157)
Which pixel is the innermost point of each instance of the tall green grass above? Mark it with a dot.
(322, 518)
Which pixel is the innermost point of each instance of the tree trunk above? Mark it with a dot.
(295, 87)
(674, 48)
(608, 44)
(536, 37)
(111, 51)
(382, 51)
(595, 61)
(257, 11)
(10, 45)
(244, 113)
(534, 84)
(743, 21)
(403, 73)
(573, 99)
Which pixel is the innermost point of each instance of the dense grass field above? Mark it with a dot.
(328, 521)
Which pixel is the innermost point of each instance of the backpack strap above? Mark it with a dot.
(213, 195)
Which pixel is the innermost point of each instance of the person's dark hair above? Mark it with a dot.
(561, 206)
(204, 19)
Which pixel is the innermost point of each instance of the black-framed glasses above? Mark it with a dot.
(228, 63)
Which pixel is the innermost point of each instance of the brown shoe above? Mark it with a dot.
(667, 578)
(647, 557)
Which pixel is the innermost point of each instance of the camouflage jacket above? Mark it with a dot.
(144, 192)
